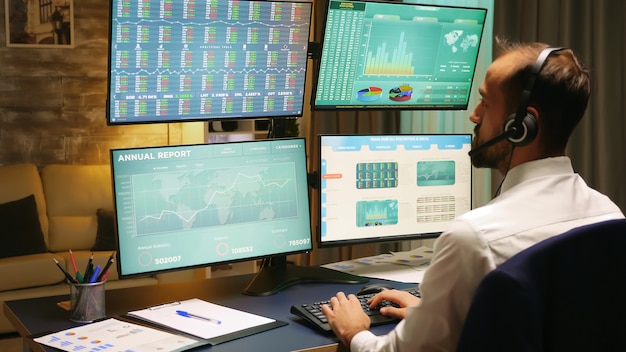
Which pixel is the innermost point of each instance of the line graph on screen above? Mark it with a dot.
(203, 198)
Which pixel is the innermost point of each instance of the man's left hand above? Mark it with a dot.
(346, 317)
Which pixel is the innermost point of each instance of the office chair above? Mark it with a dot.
(565, 293)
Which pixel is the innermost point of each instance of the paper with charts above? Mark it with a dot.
(200, 318)
(409, 266)
(116, 335)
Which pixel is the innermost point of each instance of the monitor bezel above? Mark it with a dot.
(231, 117)
(407, 107)
(120, 252)
(375, 240)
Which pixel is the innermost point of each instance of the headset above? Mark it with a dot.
(520, 128)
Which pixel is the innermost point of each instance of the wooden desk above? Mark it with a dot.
(39, 316)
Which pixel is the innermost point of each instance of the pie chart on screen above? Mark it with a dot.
(401, 93)
(369, 94)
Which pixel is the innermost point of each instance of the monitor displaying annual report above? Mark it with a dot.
(376, 188)
(180, 207)
(174, 60)
(397, 55)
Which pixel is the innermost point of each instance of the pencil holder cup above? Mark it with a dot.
(87, 302)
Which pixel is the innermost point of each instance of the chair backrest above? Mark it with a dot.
(563, 294)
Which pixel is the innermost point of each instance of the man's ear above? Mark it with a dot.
(532, 111)
(523, 129)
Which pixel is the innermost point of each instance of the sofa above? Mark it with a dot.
(47, 212)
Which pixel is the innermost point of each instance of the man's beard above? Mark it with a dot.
(492, 156)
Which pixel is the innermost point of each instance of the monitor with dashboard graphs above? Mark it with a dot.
(376, 188)
(175, 61)
(180, 207)
(397, 55)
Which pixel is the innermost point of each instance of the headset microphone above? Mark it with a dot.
(489, 143)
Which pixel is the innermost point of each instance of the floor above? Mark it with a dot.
(10, 343)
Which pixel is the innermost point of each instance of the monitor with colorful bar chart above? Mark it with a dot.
(397, 55)
(176, 61)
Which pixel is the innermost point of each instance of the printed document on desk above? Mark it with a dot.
(116, 335)
(417, 258)
(206, 320)
(408, 266)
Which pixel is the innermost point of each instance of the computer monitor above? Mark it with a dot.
(376, 188)
(188, 206)
(397, 55)
(176, 61)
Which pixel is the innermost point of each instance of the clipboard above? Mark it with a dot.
(210, 322)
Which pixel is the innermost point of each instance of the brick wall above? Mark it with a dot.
(52, 100)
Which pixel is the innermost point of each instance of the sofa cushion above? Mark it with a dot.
(105, 237)
(73, 194)
(20, 232)
(31, 270)
(22, 180)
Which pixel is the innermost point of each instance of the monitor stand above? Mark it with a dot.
(276, 274)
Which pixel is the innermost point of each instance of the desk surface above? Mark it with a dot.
(39, 316)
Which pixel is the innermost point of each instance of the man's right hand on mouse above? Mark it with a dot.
(402, 298)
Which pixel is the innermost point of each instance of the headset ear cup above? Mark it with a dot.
(526, 132)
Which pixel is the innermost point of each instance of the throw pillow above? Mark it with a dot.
(105, 237)
(21, 230)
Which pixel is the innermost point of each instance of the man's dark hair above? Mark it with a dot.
(561, 90)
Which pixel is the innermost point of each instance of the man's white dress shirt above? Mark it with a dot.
(539, 199)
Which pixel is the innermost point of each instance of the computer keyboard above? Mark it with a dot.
(312, 312)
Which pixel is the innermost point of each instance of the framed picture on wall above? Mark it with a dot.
(39, 23)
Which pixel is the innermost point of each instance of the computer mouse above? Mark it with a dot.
(374, 288)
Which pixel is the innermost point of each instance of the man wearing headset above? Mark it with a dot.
(532, 98)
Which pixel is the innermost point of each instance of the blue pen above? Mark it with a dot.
(95, 274)
(191, 315)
